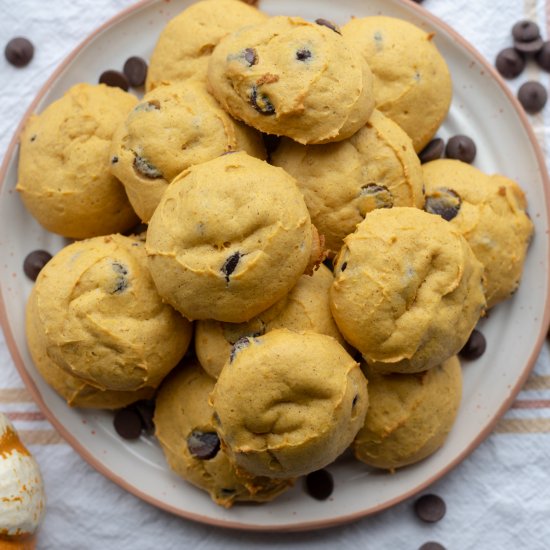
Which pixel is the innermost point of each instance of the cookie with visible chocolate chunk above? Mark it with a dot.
(64, 174)
(229, 238)
(172, 128)
(490, 211)
(412, 83)
(289, 77)
(186, 43)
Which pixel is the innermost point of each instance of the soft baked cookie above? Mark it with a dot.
(375, 168)
(407, 291)
(64, 174)
(289, 403)
(102, 319)
(229, 238)
(172, 128)
(305, 308)
(490, 212)
(409, 416)
(289, 77)
(185, 44)
(412, 83)
(186, 430)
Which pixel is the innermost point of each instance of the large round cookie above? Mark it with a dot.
(186, 430)
(64, 174)
(490, 212)
(409, 416)
(102, 319)
(412, 83)
(375, 168)
(407, 291)
(289, 403)
(289, 77)
(186, 43)
(229, 238)
(172, 128)
(305, 308)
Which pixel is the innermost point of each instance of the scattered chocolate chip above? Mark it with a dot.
(444, 202)
(303, 54)
(145, 168)
(543, 57)
(114, 159)
(529, 48)
(33, 137)
(261, 102)
(510, 63)
(34, 262)
(135, 71)
(432, 151)
(19, 51)
(240, 344)
(379, 194)
(432, 546)
(461, 148)
(475, 346)
(121, 282)
(326, 23)
(354, 402)
(203, 445)
(251, 56)
(127, 423)
(319, 484)
(344, 266)
(430, 508)
(525, 31)
(230, 264)
(116, 79)
(146, 410)
(533, 96)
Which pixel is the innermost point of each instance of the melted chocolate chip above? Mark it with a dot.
(303, 54)
(430, 508)
(203, 445)
(319, 484)
(34, 262)
(443, 202)
(115, 79)
(381, 195)
(135, 70)
(475, 346)
(525, 31)
(461, 148)
(432, 151)
(510, 63)
(261, 102)
(145, 168)
(19, 51)
(127, 423)
(251, 56)
(326, 23)
(543, 57)
(230, 264)
(533, 96)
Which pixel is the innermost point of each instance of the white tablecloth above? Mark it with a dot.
(498, 498)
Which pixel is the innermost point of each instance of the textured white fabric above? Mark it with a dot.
(498, 498)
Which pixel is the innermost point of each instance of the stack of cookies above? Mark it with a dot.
(294, 360)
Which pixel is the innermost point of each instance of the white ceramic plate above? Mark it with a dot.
(482, 108)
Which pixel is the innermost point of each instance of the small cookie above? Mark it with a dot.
(289, 403)
(171, 129)
(412, 83)
(64, 174)
(101, 319)
(375, 168)
(490, 212)
(186, 430)
(229, 238)
(409, 416)
(407, 291)
(289, 77)
(186, 43)
(305, 308)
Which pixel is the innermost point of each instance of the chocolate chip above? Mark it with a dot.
(533, 96)
(432, 546)
(430, 508)
(114, 159)
(145, 168)
(19, 51)
(33, 138)
(510, 63)
(326, 23)
(461, 148)
(303, 54)
(354, 402)
(444, 202)
(432, 151)
(543, 57)
(146, 411)
(135, 71)
(203, 445)
(261, 102)
(475, 346)
(115, 79)
(251, 56)
(230, 264)
(121, 281)
(525, 31)
(319, 484)
(344, 266)
(529, 48)
(380, 195)
(34, 262)
(127, 423)
(240, 344)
